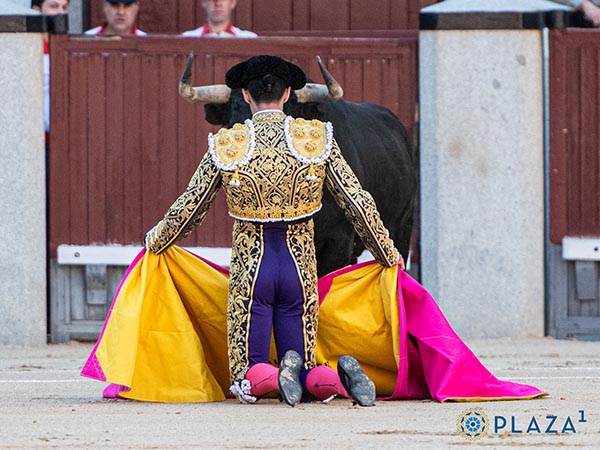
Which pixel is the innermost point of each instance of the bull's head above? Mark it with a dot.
(219, 95)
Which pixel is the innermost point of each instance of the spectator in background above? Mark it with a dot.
(120, 19)
(48, 7)
(589, 8)
(218, 21)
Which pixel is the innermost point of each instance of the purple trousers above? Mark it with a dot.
(278, 302)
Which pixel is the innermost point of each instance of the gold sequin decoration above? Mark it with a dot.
(231, 145)
(309, 138)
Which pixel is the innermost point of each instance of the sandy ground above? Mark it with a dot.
(44, 403)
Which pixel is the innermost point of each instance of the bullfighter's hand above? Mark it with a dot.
(400, 262)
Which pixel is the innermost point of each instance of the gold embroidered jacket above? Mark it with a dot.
(273, 169)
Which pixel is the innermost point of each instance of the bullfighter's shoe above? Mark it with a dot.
(290, 387)
(358, 385)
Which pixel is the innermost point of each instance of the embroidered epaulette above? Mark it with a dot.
(309, 141)
(232, 147)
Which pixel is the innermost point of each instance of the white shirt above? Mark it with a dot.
(99, 31)
(229, 32)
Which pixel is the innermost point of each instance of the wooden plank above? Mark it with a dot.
(134, 226)
(559, 137)
(123, 255)
(300, 15)
(330, 15)
(399, 16)
(115, 176)
(281, 17)
(153, 199)
(371, 15)
(353, 76)
(244, 14)
(78, 150)
(59, 158)
(573, 121)
(588, 173)
(158, 16)
(76, 301)
(96, 169)
(168, 148)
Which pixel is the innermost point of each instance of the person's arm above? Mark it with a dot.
(360, 208)
(590, 10)
(188, 210)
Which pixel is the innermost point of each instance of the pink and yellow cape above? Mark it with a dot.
(165, 338)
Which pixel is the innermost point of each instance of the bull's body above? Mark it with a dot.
(376, 145)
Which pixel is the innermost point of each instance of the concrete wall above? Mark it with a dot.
(482, 190)
(23, 199)
(23, 259)
(481, 77)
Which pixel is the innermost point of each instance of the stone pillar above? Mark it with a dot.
(482, 163)
(78, 16)
(23, 295)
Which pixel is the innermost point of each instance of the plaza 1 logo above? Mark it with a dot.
(473, 424)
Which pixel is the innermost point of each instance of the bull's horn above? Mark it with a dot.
(334, 88)
(216, 93)
(313, 92)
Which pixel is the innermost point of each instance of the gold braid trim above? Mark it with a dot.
(247, 253)
(301, 245)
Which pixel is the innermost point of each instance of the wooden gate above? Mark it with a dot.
(574, 175)
(124, 144)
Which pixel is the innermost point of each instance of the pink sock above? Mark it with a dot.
(263, 378)
(323, 382)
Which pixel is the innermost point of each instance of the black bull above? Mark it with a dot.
(376, 146)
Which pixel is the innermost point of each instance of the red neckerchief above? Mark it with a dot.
(101, 32)
(206, 29)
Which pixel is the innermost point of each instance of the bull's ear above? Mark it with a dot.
(217, 113)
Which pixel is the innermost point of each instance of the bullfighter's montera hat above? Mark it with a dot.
(257, 66)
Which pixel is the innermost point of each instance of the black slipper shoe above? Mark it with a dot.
(290, 387)
(358, 385)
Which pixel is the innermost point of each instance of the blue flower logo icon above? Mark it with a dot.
(472, 424)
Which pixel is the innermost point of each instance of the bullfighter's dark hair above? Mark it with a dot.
(240, 75)
(266, 89)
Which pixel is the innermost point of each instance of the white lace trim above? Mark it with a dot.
(151, 236)
(242, 389)
(298, 156)
(241, 162)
